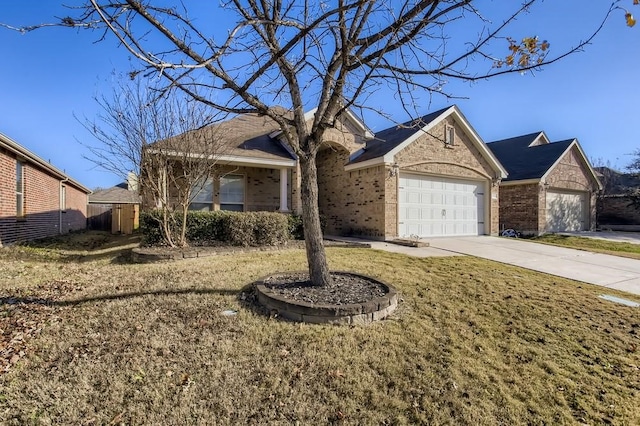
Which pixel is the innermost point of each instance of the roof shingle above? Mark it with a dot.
(525, 162)
(387, 139)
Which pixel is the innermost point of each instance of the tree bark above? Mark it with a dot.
(316, 256)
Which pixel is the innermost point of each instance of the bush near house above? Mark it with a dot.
(211, 228)
(296, 227)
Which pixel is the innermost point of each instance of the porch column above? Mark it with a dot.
(283, 190)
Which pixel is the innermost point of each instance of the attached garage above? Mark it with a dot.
(429, 177)
(551, 186)
(431, 206)
(566, 211)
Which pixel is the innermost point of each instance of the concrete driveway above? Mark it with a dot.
(600, 269)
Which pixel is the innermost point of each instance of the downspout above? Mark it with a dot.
(61, 210)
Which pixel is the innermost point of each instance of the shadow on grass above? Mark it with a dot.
(85, 247)
(13, 300)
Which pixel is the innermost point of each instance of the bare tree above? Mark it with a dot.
(169, 142)
(329, 55)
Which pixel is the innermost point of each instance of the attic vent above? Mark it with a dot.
(449, 135)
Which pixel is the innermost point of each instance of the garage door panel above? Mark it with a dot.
(566, 211)
(413, 198)
(447, 206)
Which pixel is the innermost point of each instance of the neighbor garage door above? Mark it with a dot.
(566, 211)
(434, 206)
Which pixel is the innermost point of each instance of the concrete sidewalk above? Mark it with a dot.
(615, 272)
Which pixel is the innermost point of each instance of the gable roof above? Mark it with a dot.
(387, 143)
(524, 159)
(12, 146)
(115, 195)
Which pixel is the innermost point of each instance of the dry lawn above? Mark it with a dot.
(615, 248)
(473, 342)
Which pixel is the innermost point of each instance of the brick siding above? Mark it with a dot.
(364, 202)
(353, 202)
(520, 208)
(41, 204)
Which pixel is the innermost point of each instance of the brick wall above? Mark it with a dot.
(520, 208)
(262, 188)
(74, 217)
(352, 202)
(41, 204)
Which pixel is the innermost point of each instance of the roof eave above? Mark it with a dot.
(19, 150)
(366, 164)
(584, 159)
(520, 182)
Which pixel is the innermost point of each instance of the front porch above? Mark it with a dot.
(237, 187)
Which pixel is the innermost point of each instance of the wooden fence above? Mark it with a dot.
(99, 217)
(117, 218)
(125, 218)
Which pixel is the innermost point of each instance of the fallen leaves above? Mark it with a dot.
(23, 316)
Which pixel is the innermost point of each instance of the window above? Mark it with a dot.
(202, 195)
(19, 190)
(449, 135)
(232, 193)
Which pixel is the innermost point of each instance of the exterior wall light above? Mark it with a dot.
(394, 170)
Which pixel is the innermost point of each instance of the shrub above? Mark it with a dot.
(296, 226)
(206, 227)
(150, 228)
(236, 228)
(257, 228)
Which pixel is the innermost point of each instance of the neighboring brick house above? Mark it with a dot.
(551, 187)
(428, 177)
(36, 199)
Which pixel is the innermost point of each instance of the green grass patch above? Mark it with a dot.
(592, 244)
(472, 342)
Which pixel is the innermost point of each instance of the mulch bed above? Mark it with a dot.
(345, 289)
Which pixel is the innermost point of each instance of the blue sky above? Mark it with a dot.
(49, 75)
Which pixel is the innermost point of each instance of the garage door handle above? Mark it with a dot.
(444, 212)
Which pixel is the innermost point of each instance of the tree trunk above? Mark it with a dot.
(316, 256)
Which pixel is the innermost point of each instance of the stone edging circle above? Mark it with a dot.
(351, 314)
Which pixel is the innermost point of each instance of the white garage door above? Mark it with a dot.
(566, 211)
(433, 206)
